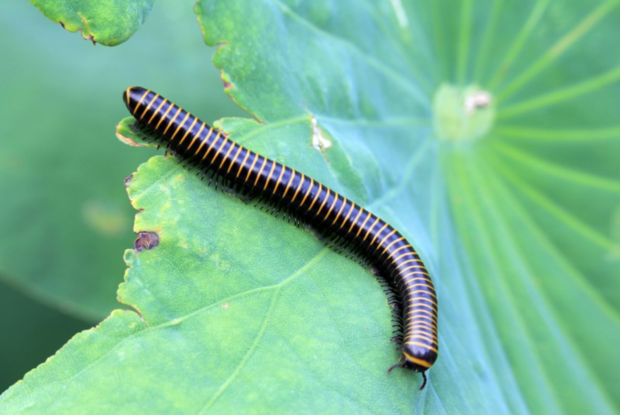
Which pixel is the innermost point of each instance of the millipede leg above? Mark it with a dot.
(400, 364)
(397, 339)
(424, 382)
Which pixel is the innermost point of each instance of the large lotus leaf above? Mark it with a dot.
(512, 203)
(108, 22)
(64, 216)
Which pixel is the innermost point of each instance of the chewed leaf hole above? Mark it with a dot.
(146, 241)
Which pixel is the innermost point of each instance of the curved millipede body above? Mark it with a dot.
(399, 265)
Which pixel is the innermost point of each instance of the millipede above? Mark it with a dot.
(400, 270)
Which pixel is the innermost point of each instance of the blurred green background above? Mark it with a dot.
(65, 219)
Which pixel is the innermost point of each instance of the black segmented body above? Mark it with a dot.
(316, 204)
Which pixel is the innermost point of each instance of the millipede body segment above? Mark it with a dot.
(399, 265)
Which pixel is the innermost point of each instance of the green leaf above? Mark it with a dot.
(64, 216)
(512, 201)
(109, 22)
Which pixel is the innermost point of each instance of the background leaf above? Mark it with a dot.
(243, 313)
(65, 217)
(109, 22)
(24, 321)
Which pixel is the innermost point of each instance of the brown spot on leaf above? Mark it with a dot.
(62, 24)
(128, 180)
(146, 241)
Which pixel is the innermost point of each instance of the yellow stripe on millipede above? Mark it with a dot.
(324, 201)
(202, 127)
(423, 298)
(414, 266)
(220, 149)
(400, 248)
(423, 291)
(348, 215)
(275, 189)
(432, 304)
(359, 213)
(315, 198)
(413, 314)
(395, 260)
(417, 361)
(377, 234)
(392, 243)
(148, 106)
(251, 169)
(273, 167)
(419, 304)
(140, 102)
(288, 185)
(409, 261)
(431, 329)
(309, 191)
(432, 340)
(422, 324)
(232, 163)
(363, 224)
(301, 183)
(172, 120)
(179, 127)
(232, 145)
(386, 238)
(370, 229)
(262, 167)
(421, 279)
(425, 335)
(414, 326)
(247, 154)
(420, 335)
(423, 339)
(203, 142)
(422, 285)
(191, 127)
(344, 202)
(164, 116)
(331, 207)
(423, 345)
(217, 136)
(163, 101)
(416, 272)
